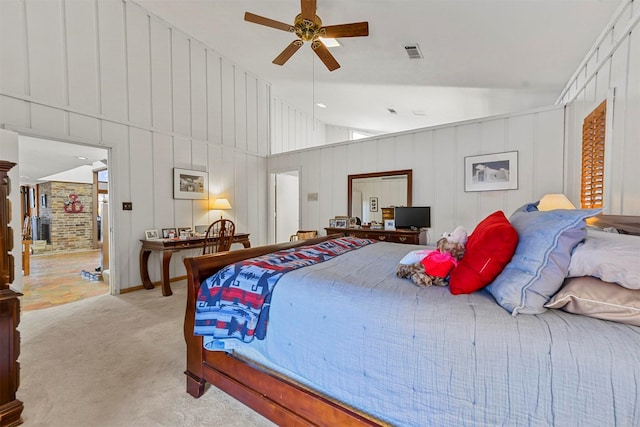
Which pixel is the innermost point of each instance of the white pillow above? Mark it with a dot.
(609, 256)
(415, 256)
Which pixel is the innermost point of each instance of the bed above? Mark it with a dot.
(360, 346)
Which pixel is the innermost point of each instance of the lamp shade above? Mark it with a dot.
(221, 204)
(554, 201)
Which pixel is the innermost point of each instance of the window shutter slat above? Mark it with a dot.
(592, 170)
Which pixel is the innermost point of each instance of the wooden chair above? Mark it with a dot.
(303, 234)
(219, 236)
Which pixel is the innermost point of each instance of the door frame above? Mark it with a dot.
(114, 287)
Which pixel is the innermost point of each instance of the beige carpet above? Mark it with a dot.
(116, 361)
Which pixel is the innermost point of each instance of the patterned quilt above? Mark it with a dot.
(234, 302)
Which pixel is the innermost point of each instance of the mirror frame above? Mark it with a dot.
(407, 172)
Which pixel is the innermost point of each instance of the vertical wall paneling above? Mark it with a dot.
(82, 57)
(44, 38)
(112, 54)
(629, 190)
(162, 154)
(161, 91)
(263, 98)
(436, 155)
(214, 97)
(252, 114)
(229, 101)
(180, 73)
(138, 65)
(240, 93)
(12, 42)
(198, 91)
(110, 73)
(615, 67)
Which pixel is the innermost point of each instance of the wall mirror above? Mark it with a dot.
(369, 193)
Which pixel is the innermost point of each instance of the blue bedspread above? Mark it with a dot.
(234, 302)
(415, 356)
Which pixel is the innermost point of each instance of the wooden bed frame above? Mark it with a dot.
(275, 397)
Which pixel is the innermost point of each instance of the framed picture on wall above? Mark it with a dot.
(190, 184)
(491, 172)
(373, 204)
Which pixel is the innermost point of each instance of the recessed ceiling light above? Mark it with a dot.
(419, 113)
(321, 105)
(329, 42)
(82, 158)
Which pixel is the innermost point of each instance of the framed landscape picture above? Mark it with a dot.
(190, 184)
(490, 172)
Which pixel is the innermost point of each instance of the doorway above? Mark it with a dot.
(58, 180)
(285, 197)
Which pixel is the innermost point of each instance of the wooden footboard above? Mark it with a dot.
(275, 397)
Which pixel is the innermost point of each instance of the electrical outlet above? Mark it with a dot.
(127, 206)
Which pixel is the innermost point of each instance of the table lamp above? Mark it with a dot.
(221, 204)
(554, 201)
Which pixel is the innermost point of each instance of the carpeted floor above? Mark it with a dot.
(116, 361)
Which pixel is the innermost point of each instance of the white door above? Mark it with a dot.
(286, 196)
(9, 151)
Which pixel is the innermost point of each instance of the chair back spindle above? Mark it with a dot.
(219, 236)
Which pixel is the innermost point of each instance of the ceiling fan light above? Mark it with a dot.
(329, 42)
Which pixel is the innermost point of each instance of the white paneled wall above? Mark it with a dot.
(436, 156)
(108, 73)
(610, 71)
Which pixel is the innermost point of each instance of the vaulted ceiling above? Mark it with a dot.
(480, 57)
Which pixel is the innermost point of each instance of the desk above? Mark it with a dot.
(410, 237)
(167, 247)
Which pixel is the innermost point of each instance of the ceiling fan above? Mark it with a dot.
(308, 27)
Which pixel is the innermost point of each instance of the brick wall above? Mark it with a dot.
(69, 231)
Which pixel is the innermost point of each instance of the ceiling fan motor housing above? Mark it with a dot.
(305, 29)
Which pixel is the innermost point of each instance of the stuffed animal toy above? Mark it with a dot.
(426, 268)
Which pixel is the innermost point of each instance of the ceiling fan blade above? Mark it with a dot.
(288, 52)
(257, 19)
(308, 8)
(325, 56)
(357, 29)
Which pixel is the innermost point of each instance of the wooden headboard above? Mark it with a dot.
(625, 224)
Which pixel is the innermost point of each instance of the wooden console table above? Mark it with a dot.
(167, 247)
(409, 237)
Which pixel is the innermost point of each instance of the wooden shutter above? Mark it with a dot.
(592, 183)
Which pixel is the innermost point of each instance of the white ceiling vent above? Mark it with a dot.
(413, 50)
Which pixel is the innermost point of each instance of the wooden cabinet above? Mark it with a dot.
(410, 237)
(10, 407)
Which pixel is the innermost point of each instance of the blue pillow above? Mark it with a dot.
(541, 261)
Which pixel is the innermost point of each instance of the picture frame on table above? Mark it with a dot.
(190, 184)
(169, 233)
(490, 172)
(332, 222)
(151, 234)
(184, 232)
(352, 222)
(341, 222)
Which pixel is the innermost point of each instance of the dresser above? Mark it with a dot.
(10, 407)
(409, 237)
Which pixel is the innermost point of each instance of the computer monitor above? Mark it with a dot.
(412, 217)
